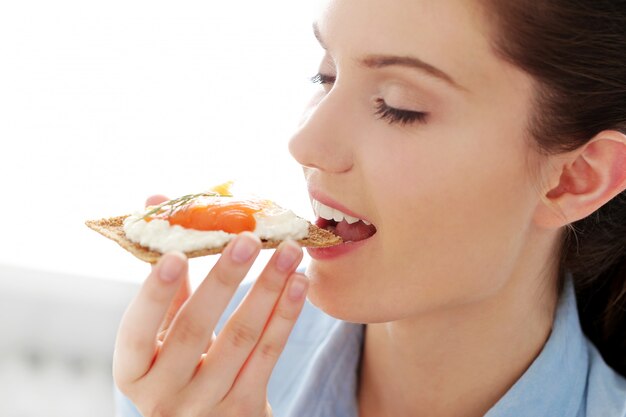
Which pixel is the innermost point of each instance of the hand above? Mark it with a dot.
(167, 359)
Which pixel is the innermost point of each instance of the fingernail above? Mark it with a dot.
(298, 288)
(243, 249)
(170, 268)
(287, 256)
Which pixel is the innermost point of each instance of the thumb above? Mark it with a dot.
(155, 200)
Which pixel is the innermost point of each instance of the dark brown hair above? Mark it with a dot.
(575, 50)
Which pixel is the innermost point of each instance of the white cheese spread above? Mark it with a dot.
(272, 223)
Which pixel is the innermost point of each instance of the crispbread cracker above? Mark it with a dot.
(113, 228)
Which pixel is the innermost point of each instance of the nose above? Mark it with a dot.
(323, 139)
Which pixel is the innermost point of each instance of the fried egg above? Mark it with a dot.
(210, 220)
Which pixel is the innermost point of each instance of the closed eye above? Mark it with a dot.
(383, 111)
(323, 79)
(399, 116)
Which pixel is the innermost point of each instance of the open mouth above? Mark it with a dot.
(349, 228)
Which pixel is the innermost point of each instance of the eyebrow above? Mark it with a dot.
(382, 61)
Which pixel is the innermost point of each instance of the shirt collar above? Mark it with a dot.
(331, 384)
(553, 385)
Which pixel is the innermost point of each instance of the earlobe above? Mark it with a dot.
(587, 180)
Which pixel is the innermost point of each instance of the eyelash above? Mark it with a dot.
(320, 78)
(383, 111)
(402, 117)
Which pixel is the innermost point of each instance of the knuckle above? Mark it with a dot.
(271, 350)
(286, 313)
(244, 408)
(156, 293)
(188, 331)
(165, 406)
(161, 410)
(223, 277)
(271, 283)
(133, 344)
(251, 403)
(151, 402)
(241, 335)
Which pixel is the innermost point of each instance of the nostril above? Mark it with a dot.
(311, 166)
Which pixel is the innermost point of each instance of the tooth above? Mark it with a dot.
(316, 207)
(329, 213)
(326, 212)
(366, 222)
(351, 220)
(337, 216)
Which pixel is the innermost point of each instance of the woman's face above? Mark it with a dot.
(417, 128)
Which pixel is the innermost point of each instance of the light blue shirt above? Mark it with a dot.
(316, 376)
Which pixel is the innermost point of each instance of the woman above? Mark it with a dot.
(483, 146)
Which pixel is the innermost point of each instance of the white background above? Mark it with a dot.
(105, 103)
(101, 105)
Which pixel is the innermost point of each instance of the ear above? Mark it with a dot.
(584, 180)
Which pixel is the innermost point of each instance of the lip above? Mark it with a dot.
(327, 201)
(333, 252)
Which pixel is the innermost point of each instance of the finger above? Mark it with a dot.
(136, 343)
(183, 293)
(155, 200)
(191, 330)
(257, 371)
(244, 329)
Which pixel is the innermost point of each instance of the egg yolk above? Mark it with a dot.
(229, 216)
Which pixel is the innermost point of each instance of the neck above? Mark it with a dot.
(459, 361)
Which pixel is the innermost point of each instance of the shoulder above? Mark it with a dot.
(606, 389)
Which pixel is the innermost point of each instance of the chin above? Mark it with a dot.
(337, 294)
(327, 293)
(355, 296)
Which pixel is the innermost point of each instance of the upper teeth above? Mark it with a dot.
(329, 213)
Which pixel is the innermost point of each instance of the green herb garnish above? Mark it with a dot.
(177, 203)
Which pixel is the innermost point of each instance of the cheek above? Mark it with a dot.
(452, 221)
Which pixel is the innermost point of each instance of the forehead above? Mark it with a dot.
(448, 34)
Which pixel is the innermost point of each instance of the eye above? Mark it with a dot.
(402, 117)
(323, 79)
